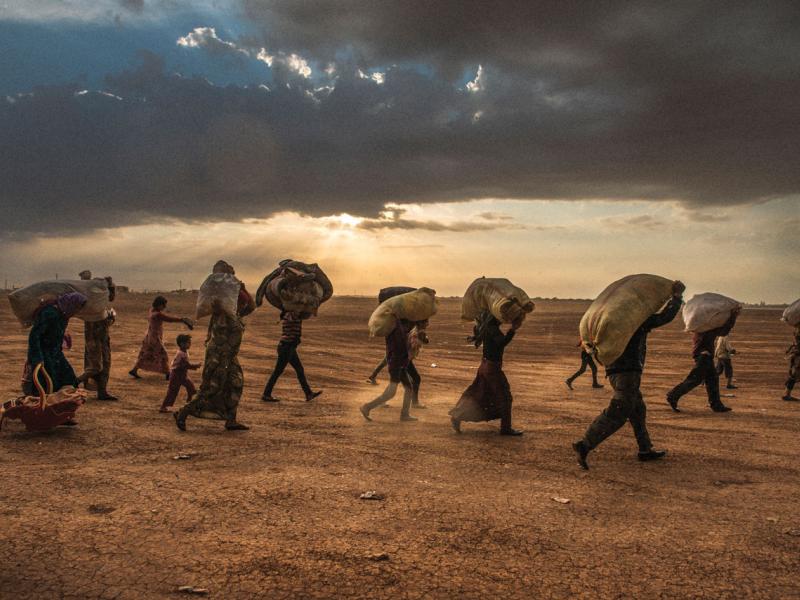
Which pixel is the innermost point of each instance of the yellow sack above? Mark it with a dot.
(419, 305)
(612, 319)
(499, 296)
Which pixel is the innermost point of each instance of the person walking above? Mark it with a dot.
(291, 333)
(627, 403)
(97, 346)
(222, 380)
(398, 356)
(179, 374)
(153, 354)
(489, 396)
(586, 361)
(723, 358)
(704, 370)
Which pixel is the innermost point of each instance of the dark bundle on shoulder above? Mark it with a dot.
(295, 286)
(391, 292)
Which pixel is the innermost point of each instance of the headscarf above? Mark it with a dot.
(85, 275)
(223, 267)
(482, 324)
(70, 303)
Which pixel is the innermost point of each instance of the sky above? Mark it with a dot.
(562, 145)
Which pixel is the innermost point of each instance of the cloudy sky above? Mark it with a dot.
(412, 142)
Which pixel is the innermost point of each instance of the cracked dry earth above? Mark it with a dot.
(105, 511)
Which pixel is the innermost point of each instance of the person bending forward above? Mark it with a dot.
(627, 403)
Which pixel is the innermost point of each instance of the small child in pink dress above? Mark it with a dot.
(179, 373)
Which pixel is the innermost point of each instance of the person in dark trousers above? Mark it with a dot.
(179, 374)
(489, 395)
(291, 332)
(586, 361)
(97, 347)
(704, 370)
(793, 354)
(627, 403)
(398, 357)
(417, 338)
(723, 359)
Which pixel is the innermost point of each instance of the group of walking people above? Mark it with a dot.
(487, 398)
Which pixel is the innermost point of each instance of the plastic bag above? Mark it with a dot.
(708, 311)
(499, 296)
(26, 301)
(611, 320)
(792, 314)
(218, 287)
(419, 305)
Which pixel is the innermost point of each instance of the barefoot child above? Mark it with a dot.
(179, 373)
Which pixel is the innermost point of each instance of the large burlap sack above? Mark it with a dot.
(391, 292)
(295, 286)
(25, 302)
(708, 311)
(419, 305)
(499, 296)
(611, 320)
(792, 314)
(222, 288)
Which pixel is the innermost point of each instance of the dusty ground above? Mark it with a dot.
(104, 511)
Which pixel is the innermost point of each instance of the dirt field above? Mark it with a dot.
(105, 511)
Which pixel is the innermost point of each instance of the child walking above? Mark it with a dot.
(179, 373)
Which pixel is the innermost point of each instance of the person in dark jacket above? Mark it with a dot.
(398, 357)
(489, 395)
(704, 370)
(291, 332)
(586, 361)
(793, 354)
(625, 376)
(417, 338)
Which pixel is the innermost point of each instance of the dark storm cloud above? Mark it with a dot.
(691, 101)
(136, 6)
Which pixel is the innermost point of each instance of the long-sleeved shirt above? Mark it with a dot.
(397, 348)
(704, 342)
(635, 353)
(495, 342)
(291, 328)
(181, 361)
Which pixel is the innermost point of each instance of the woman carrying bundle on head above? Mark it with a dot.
(489, 395)
(223, 380)
(153, 354)
(45, 343)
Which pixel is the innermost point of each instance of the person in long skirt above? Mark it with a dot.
(223, 381)
(153, 354)
(45, 343)
(489, 396)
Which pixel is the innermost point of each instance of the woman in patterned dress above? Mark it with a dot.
(153, 354)
(223, 381)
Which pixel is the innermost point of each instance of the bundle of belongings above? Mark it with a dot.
(505, 301)
(611, 320)
(415, 305)
(791, 315)
(297, 287)
(28, 301)
(47, 411)
(708, 311)
(220, 289)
